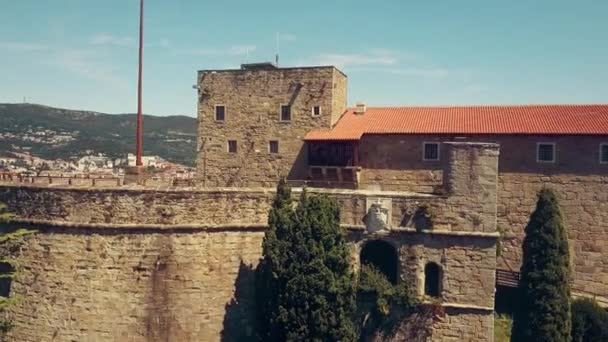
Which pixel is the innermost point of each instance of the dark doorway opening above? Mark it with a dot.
(6, 272)
(506, 299)
(382, 256)
(432, 280)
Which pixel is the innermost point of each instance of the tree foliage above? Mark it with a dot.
(544, 311)
(381, 305)
(589, 321)
(305, 285)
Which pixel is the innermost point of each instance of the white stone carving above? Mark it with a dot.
(378, 217)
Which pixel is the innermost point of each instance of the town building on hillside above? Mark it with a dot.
(148, 161)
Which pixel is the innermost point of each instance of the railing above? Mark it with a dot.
(334, 174)
(507, 278)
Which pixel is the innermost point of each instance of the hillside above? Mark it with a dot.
(54, 133)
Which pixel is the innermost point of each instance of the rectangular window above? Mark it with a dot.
(545, 152)
(220, 113)
(316, 111)
(285, 113)
(430, 151)
(232, 146)
(604, 153)
(273, 146)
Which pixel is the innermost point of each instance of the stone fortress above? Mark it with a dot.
(426, 194)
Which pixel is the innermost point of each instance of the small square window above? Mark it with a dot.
(545, 152)
(604, 153)
(220, 113)
(273, 146)
(232, 146)
(431, 151)
(285, 113)
(316, 111)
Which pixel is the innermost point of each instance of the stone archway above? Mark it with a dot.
(383, 256)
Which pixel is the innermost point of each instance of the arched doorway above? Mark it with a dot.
(382, 256)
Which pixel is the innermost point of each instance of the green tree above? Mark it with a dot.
(589, 321)
(306, 284)
(544, 309)
(274, 247)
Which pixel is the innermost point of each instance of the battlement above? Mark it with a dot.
(89, 181)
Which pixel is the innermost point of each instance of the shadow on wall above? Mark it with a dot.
(299, 169)
(239, 317)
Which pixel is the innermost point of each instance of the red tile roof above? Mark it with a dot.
(515, 119)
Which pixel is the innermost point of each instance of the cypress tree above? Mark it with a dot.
(544, 308)
(311, 292)
(271, 266)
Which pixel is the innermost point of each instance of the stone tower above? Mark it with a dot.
(252, 121)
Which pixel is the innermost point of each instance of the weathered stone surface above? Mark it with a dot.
(127, 264)
(580, 181)
(112, 286)
(253, 100)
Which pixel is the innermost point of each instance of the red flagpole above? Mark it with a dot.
(140, 118)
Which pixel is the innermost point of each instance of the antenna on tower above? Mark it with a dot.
(276, 57)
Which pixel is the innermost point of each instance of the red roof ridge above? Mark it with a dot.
(517, 105)
(568, 119)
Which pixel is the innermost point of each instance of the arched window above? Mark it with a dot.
(382, 256)
(432, 280)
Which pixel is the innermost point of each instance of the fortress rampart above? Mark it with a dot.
(138, 264)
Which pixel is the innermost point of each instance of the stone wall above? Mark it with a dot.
(95, 285)
(137, 264)
(253, 99)
(455, 326)
(139, 207)
(467, 262)
(339, 96)
(584, 203)
(580, 181)
(395, 162)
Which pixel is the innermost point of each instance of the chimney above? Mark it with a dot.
(360, 108)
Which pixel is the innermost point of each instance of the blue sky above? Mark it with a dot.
(82, 54)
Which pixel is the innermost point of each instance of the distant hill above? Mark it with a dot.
(54, 133)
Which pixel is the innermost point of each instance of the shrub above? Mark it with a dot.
(382, 305)
(589, 321)
(502, 328)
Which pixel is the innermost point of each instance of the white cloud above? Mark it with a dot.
(164, 43)
(387, 61)
(110, 40)
(419, 71)
(234, 50)
(19, 46)
(287, 37)
(82, 63)
(373, 57)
